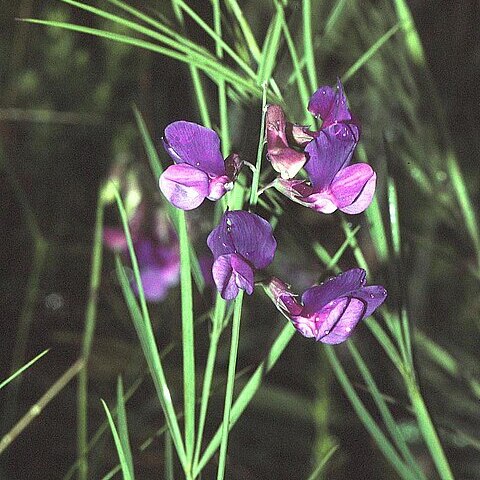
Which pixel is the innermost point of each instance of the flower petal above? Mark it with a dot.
(353, 188)
(156, 281)
(284, 160)
(328, 153)
(230, 273)
(218, 187)
(184, 186)
(114, 238)
(188, 142)
(330, 104)
(336, 321)
(315, 298)
(373, 296)
(246, 234)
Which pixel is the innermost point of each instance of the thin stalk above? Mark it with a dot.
(44, 400)
(24, 325)
(90, 321)
(187, 338)
(232, 364)
(308, 44)
(428, 430)
(217, 321)
(222, 88)
(261, 143)
(249, 391)
(196, 79)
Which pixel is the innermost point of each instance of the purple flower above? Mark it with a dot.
(159, 265)
(330, 104)
(241, 243)
(334, 184)
(329, 312)
(284, 159)
(157, 254)
(199, 171)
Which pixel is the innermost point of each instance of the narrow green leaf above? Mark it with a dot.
(232, 365)
(383, 444)
(142, 323)
(466, 206)
(370, 52)
(315, 475)
(308, 44)
(248, 392)
(412, 39)
(118, 445)
(392, 427)
(245, 28)
(123, 426)
(270, 48)
(22, 369)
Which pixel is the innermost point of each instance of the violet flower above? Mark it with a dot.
(199, 171)
(284, 159)
(157, 254)
(334, 184)
(242, 243)
(329, 312)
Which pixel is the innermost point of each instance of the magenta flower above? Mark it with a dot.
(159, 265)
(334, 184)
(242, 243)
(329, 312)
(199, 171)
(157, 254)
(284, 159)
(330, 104)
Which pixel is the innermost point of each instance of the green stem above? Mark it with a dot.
(90, 321)
(218, 317)
(249, 391)
(261, 143)
(232, 364)
(308, 44)
(187, 339)
(428, 430)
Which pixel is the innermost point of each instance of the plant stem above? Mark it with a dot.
(90, 322)
(232, 364)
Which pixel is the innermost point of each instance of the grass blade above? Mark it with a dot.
(248, 392)
(369, 423)
(22, 369)
(270, 48)
(187, 337)
(141, 319)
(123, 426)
(370, 52)
(118, 444)
(232, 365)
(315, 475)
(308, 44)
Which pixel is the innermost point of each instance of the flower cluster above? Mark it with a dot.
(243, 242)
(333, 183)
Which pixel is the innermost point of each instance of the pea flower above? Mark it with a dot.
(157, 254)
(330, 104)
(199, 171)
(329, 312)
(242, 243)
(334, 184)
(284, 159)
